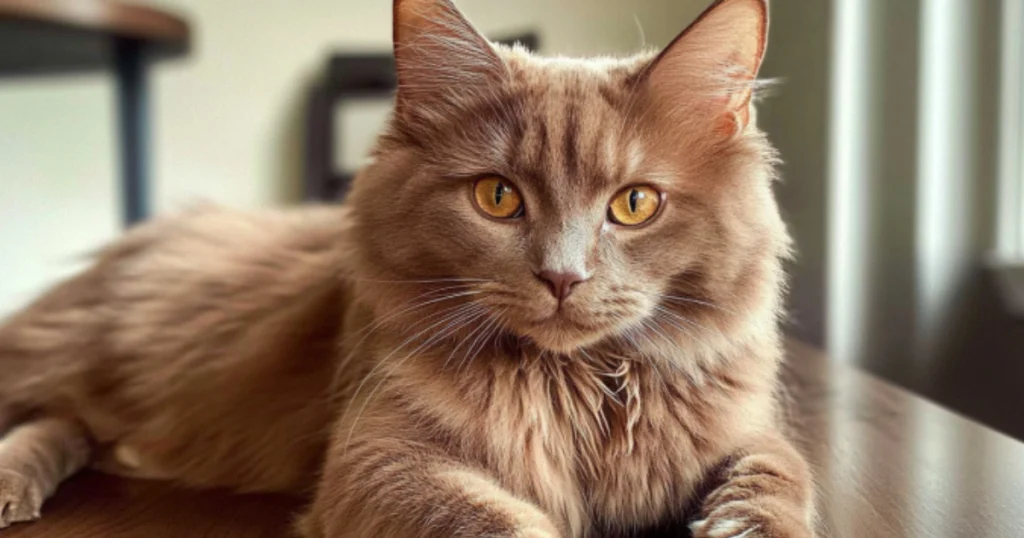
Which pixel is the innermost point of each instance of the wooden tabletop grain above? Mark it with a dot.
(888, 464)
(106, 16)
(70, 36)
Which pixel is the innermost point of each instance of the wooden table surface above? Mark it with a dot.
(888, 464)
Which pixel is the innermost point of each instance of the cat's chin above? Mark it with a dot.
(563, 337)
(564, 346)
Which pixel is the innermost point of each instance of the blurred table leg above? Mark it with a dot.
(133, 127)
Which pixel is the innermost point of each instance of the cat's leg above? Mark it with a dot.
(766, 491)
(34, 458)
(412, 490)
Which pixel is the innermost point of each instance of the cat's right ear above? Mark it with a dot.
(710, 70)
(440, 58)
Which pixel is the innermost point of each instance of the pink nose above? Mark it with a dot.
(560, 284)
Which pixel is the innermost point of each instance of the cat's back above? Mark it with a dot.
(210, 237)
(230, 318)
(202, 283)
(237, 264)
(198, 346)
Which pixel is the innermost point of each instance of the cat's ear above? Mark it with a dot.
(439, 56)
(712, 66)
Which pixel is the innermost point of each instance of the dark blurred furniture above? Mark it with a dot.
(62, 36)
(348, 78)
(888, 464)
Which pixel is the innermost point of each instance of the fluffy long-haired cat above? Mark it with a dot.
(548, 308)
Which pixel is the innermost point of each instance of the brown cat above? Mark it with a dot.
(548, 308)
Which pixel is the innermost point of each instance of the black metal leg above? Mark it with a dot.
(133, 126)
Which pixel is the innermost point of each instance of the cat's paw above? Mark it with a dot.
(739, 519)
(529, 521)
(21, 498)
(725, 528)
(537, 533)
(540, 528)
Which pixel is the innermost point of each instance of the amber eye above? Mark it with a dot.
(633, 206)
(498, 198)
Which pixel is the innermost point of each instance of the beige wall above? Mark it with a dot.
(57, 176)
(227, 118)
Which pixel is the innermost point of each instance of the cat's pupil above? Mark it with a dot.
(634, 196)
(499, 191)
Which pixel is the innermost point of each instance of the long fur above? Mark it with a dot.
(397, 358)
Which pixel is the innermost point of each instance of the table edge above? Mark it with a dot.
(116, 18)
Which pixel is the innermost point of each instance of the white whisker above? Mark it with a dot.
(691, 300)
(493, 322)
(458, 346)
(675, 318)
(369, 329)
(458, 311)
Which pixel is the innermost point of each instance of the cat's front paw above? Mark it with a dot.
(21, 498)
(540, 527)
(537, 533)
(740, 519)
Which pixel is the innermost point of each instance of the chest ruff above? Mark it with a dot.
(594, 443)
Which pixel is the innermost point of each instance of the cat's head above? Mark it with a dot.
(573, 201)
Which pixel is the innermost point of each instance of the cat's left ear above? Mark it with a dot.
(712, 65)
(440, 58)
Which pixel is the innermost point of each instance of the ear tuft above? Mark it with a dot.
(712, 66)
(439, 56)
